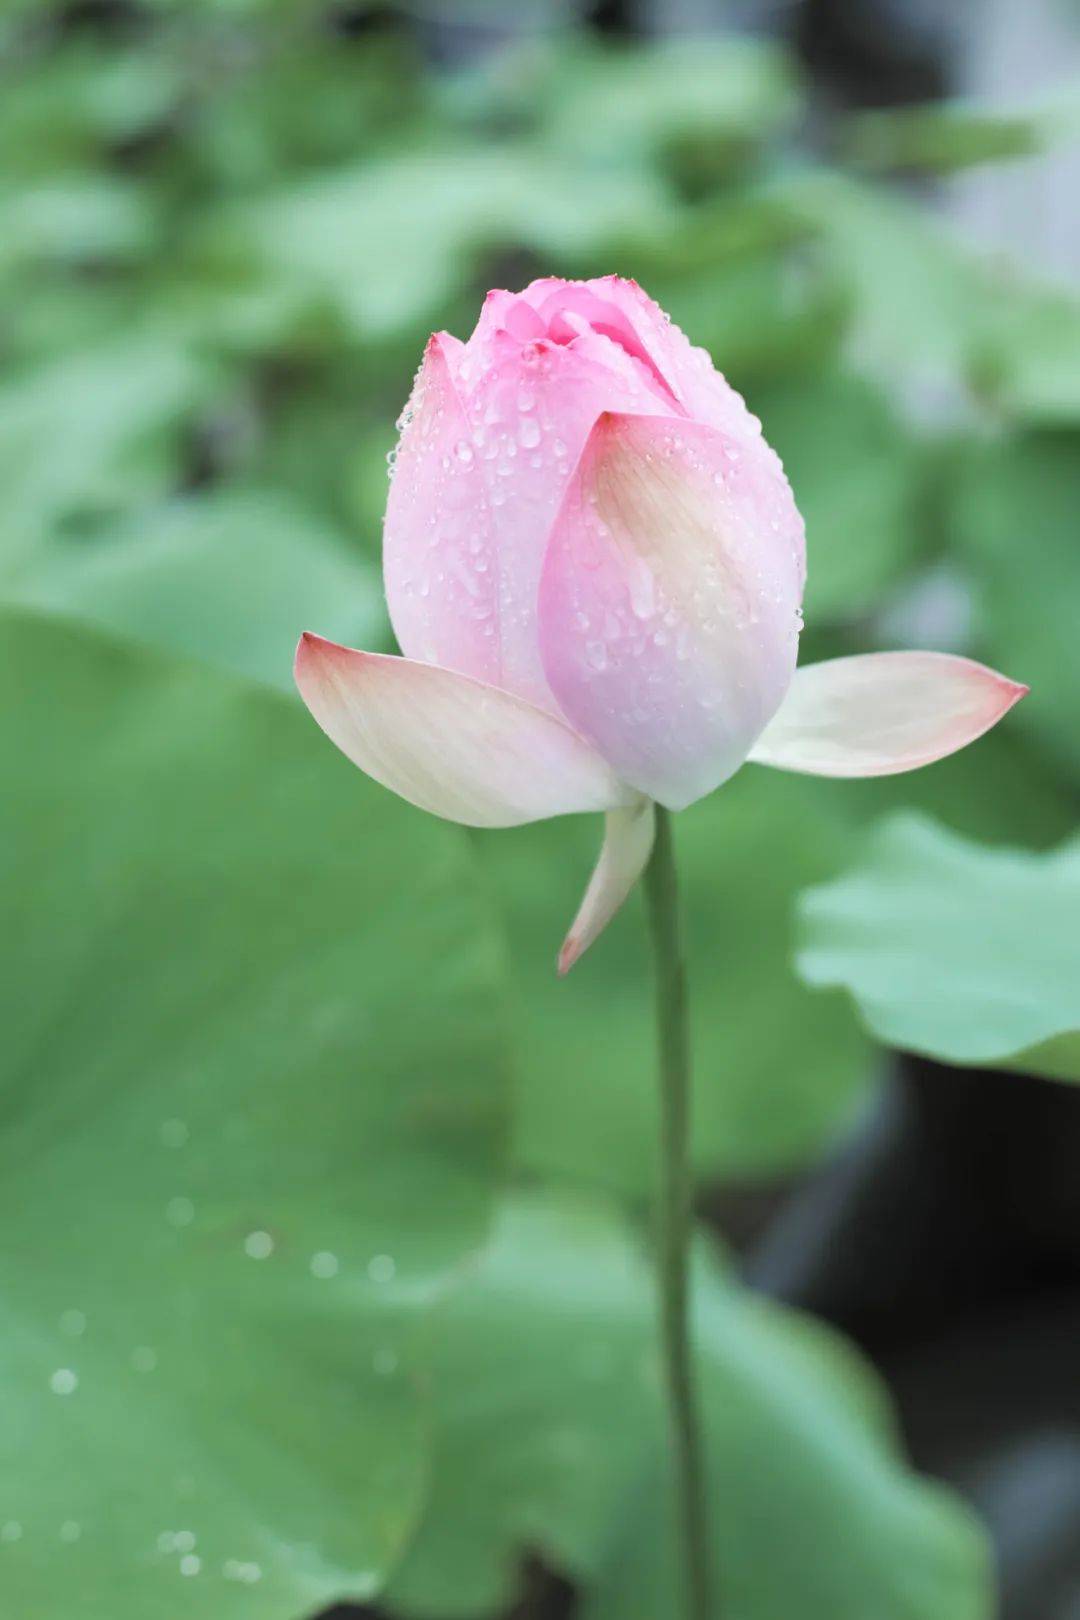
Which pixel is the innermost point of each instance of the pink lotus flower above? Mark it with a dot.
(594, 566)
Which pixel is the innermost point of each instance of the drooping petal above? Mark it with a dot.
(438, 538)
(453, 746)
(880, 713)
(628, 841)
(669, 602)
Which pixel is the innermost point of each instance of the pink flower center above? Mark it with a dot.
(569, 313)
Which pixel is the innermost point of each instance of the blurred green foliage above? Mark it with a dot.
(563, 1448)
(226, 230)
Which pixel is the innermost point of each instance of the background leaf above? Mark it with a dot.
(812, 1511)
(228, 578)
(406, 230)
(700, 103)
(966, 954)
(254, 1094)
(944, 137)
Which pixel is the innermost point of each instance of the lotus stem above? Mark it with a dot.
(674, 1222)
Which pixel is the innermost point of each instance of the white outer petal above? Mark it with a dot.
(880, 713)
(450, 744)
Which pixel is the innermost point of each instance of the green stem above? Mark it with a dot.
(674, 1219)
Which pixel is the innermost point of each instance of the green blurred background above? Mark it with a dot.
(226, 230)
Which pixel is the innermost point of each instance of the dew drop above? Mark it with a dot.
(173, 1133)
(324, 1264)
(64, 1381)
(258, 1245)
(70, 1531)
(642, 589)
(234, 1569)
(73, 1323)
(382, 1268)
(190, 1564)
(179, 1212)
